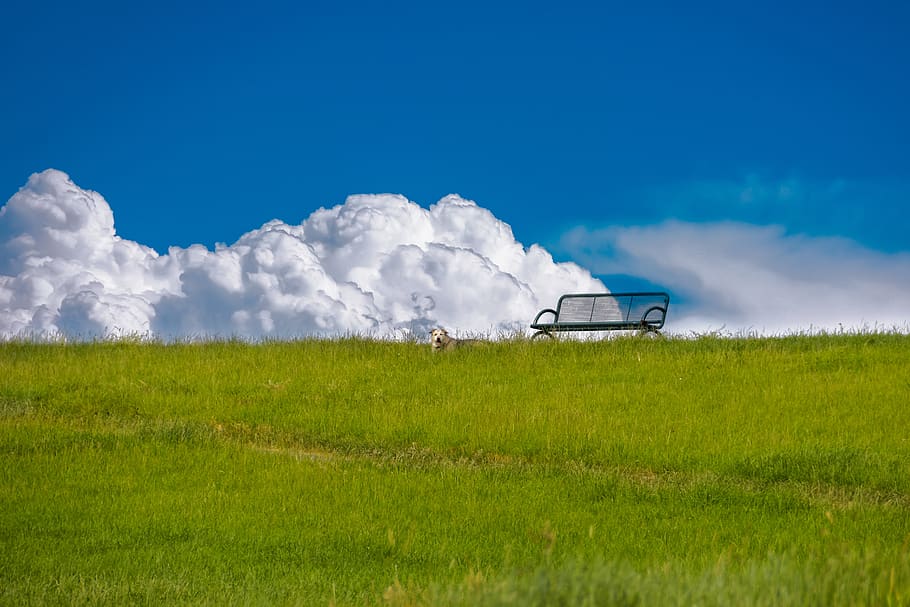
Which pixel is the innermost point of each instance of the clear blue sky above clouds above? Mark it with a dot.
(199, 121)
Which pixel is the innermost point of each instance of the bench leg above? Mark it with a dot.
(542, 333)
(651, 333)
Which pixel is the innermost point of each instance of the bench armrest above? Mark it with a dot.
(542, 312)
(655, 323)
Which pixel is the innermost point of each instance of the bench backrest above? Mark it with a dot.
(621, 308)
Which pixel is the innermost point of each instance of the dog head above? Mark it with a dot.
(439, 338)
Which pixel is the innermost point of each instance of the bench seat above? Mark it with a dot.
(642, 311)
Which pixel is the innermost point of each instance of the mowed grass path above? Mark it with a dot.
(352, 472)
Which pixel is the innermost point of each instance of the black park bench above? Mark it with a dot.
(643, 312)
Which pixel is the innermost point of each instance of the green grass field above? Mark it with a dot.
(705, 471)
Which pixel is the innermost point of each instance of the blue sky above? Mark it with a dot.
(201, 121)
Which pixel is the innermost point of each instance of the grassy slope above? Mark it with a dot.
(749, 471)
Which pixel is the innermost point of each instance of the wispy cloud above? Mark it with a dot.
(759, 278)
(375, 264)
(869, 212)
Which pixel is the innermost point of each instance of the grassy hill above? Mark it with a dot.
(356, 472)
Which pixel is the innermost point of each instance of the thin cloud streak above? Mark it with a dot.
(759, 279)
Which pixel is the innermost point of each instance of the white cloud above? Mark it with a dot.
(375, 264)
(755, 278)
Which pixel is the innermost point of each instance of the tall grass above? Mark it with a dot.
(711, 471)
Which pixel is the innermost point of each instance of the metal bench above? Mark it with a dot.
(645, 312)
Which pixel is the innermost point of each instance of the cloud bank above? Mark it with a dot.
(755, 279)
(377, 265)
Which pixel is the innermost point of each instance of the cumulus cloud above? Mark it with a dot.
(377, 264)
(752, 278)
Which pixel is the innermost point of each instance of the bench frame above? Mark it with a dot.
(649, 321)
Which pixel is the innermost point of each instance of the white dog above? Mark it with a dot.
(440, 340)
